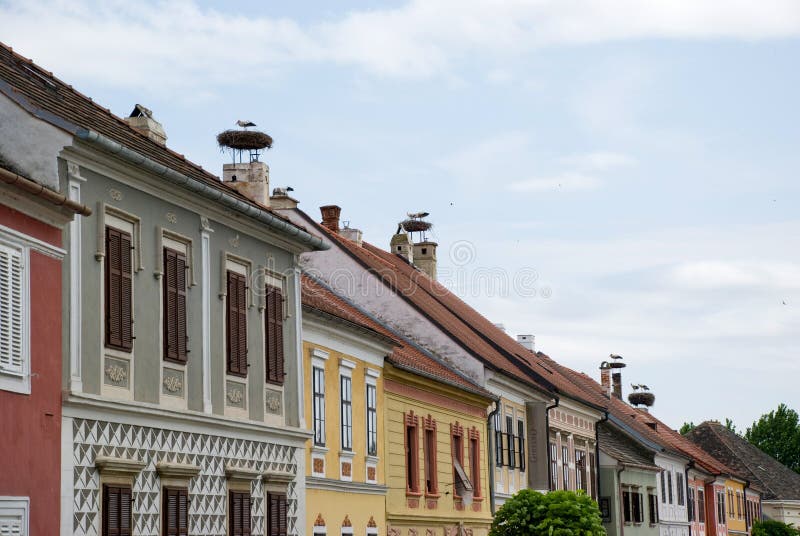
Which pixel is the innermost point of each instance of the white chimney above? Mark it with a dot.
(352, 234)
(251, 179)
(528, 341)
(501, 327)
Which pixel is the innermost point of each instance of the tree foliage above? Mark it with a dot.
(558, 513)
(686, 428)
(773, 528)
(778, 434)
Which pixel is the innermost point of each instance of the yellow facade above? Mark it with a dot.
(344, 487)
(735, 506)
(413, 398)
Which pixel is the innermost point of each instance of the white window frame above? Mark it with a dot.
(19, 381)
(16, 507)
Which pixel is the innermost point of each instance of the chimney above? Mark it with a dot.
(280, 199)
(400, 244)
(616, 381)
(141, 120)
(605, 377)
(501, 327)
(352, 234)
(528, 341)
(425, 257)
(330, 217)
(251, 179)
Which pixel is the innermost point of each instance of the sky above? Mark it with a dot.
(611, 176)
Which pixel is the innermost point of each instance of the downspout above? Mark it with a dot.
(491, 454)
(620, 508)
(596, 483)
(547, 426)
(686, 493)
(744, 500)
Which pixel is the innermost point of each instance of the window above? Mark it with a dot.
(429, 448)
(239, 513)
(663, 487)
(652, 505)
(175, 337)
(521, 443)
(118, 290)
(680, 488)
(318, 387)
(14, 362)
(510, 441)
(116, 510)
(669, 486)
(720, 507)
(14, 516)
(372, 420)
(475, 462)
(236, 324)
(498, 440)
(412, 453)
(632, 505)
(701, 505)
(638, 506)
(690, 505)
(175, 512)
(593, 475)
(346, 412)
(580, 470)
(273, 333)
(553, 466)
(731, 511)
(457, 444)
(276, 514)
(626, 506)
(565, 466)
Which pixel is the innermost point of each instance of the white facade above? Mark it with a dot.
(672, 500)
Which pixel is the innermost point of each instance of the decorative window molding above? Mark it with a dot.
(411, 446)
(237, 473)
(318, 402)
(281, 478)
(347, 526)
(429, 447)
(239, 265)
(112, 466)
(346, 411)
(178, 242)
(124, 221)
(371, 376)
(174, 470)
(15, 516)
(346, 367)
(371, 435)
(15, 359)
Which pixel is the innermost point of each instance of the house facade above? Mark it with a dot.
(182, 382)
(31, 257)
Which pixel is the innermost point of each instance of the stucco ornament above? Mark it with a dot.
(235, 396)
(116, 373)
(391, 531)
(205, 225)
(171, 217)
(429, 532)
(115, 194)
(412, 532)
(273, 402)
(172, 384)
(234, 241)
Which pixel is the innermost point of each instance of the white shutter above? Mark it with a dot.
(11, 525)
(11, 311)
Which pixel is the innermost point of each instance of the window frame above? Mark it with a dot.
(498, 439)
(346, 412)
(430, 458)
(701, 505)
(17, 507)
(580, 469)
(122, 345)
(565, 466)
(178, 357)
(475, 462)
(106, 490)
(318, 404)
(232, 494)
(283, 509)
(181, 492)
(372, 419)
(411, 443)
(233, 277)
(680, 487)
(510, 447)
(553, 465)
(521, 443)
(652, 505)
(274, 317)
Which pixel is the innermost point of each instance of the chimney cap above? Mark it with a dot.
(330, 216)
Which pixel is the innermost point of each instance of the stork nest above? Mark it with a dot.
(244, 140)
(642, 398)
(415, 226)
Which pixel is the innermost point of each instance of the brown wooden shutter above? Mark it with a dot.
(239, 513)
(116, 510)
(276, 510)
(273, 329)
(118, 290)
(176, 512)
(236, 326)
(175, 337)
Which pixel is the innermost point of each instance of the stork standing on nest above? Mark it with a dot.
(244, 124)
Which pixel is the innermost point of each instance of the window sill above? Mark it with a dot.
(413, 493)
(434, 495)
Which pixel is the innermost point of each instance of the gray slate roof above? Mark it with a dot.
(776, 481)
(622, 448)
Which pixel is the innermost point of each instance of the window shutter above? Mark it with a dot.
(116, 511)
(183, 512)
(11, 310)
(119, 290)
(180, 307)
(239, 514)
(276, 525)
(170, 512)
(175, 337)
(237, 324)
(274, 335)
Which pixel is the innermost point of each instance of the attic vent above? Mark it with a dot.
(651, 425)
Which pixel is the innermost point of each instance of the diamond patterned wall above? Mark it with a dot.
(207, 491)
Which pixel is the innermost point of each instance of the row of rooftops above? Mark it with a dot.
(51, 100)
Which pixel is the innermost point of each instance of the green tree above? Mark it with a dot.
(778, 434)
(773, 528)
(686, 428)
(558, 513)
(730, 426)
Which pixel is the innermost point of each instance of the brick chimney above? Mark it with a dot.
(141, 120)
(425, 257)
(605, 377)
(250, 179)
(330, 217)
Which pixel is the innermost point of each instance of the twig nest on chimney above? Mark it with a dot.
(415, 226)
(244, 140)
(642, 399)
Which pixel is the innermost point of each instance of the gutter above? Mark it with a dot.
(491, 454)
(216, 195)
(686, 494)
(38, 190)
(547, 425)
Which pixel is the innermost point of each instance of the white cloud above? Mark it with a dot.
(566, 182)
(179, 44)
(599, 160)
(717, 274)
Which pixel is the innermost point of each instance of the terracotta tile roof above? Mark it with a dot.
(50, 99)
(617, 445)
(777, 481)
(318, 296)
